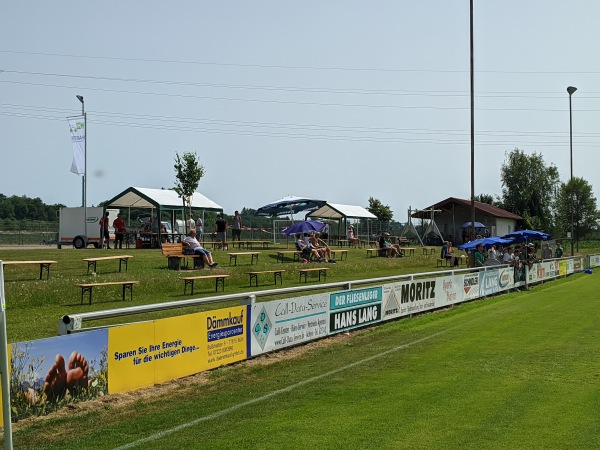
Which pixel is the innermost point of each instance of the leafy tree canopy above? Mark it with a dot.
(188, 172)
(383, 212)
(529, 188)
(576, 202)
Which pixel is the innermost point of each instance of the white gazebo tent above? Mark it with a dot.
(339, 212)
(161, 200)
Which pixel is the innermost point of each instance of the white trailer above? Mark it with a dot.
(71, 230)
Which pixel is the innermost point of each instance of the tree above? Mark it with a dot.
(383, 213)
(529, 188)
(188, 172)
(576, 202)
(489, 199)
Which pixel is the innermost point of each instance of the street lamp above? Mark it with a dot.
(570, 90)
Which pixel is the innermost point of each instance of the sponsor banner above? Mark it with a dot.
(594, 261)
(411, 297)
(471, 286)
(570, 266)
(128, 368)
(144, 354)
(545, 270)
(282, 323)
(356, 297)
(225, 336)
(452, 289)
(562, 267)
(577, 264)
(495, 280)
(57, 369)
(354, 317)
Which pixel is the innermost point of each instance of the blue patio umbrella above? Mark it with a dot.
(527, 236)
(289, 205)
(477, 225)
(486, 242)
(307, 226)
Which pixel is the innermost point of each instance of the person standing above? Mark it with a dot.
(104, 233)
(190, 224)
(221, 229)
(236, 227)
(119, 226)
(199, 228)
(546, 251)
(479, 258)
(559, 251)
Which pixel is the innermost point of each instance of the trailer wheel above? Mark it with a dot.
(78, 242)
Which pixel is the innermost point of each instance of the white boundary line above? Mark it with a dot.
(223, 412)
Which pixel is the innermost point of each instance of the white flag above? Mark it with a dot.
(77, 127)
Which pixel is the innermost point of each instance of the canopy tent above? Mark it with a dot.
(164, 199)
(289, 205)
(339, 212)
(161, 200)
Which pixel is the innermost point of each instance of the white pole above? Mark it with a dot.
(4, 373)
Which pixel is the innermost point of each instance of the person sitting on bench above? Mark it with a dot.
(447, 253)
(191, 244)
(307, 252)
(392, 251)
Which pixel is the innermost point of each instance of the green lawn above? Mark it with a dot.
(35, 306)
(514, 371)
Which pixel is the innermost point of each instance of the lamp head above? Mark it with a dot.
(80, 98)
(571, 89)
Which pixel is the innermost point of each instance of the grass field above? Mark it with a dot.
(35, 306)
(514, 371)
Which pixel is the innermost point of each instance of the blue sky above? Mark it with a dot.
(334, 100)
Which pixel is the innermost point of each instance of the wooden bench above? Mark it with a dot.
(276, 273)
(406, 250)
(442, 262)
(428, 250)
(319, 270)
(376, 252)
(87, 288)
(44, 265)
(342, 253)
(91, 262)
(295, 255)
(234, 256)
(174, 254)
(190, 280)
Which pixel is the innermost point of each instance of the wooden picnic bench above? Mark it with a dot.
(428, 250)
(44, 265)
(174, 254)
(342, 253)
(276, 273)
(234, 256)
(319, 270)
(295, 255)
(87, 288)
(190, 280)
(376, 252)
(406, 250)
(91, 262)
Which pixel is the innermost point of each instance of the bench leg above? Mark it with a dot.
(252, 259)
(186, 285)
(301, 274)
(234, 257)
(275, 275)
(88, 291)
(91, 264)
(253, 277)
(128, 287)
(222, 281)
(45, 267)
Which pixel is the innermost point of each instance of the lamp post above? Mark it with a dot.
(571, 90)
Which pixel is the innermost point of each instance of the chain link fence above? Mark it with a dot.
(28, 232)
